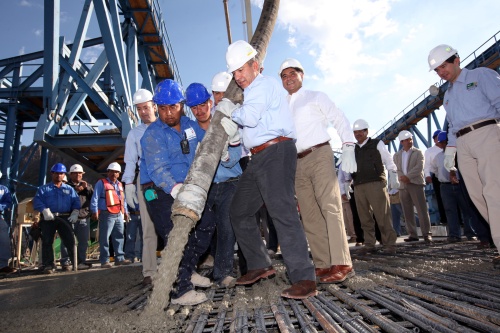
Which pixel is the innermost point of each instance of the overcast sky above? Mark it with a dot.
(370, 57)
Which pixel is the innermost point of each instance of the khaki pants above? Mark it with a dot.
(348, 219)
(318, 193)
(149, 239)
(479, 162)
(413, 195)
(370, 197)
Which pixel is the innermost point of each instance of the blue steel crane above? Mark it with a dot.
(69, 101)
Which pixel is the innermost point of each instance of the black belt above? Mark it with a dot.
(310, 150)
(470, 128)
(134, 213)
(446, 183)
(61, 214)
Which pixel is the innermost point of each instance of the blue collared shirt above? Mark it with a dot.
(61, 200)
(473, 97)
(264, 114)
(162, 157)
(98, 200)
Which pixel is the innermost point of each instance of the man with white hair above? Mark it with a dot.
(372, 198)
(410, 163)
(146, 109)
(472, 104)
(316, 184)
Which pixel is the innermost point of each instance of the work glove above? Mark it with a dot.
(47, 214)
(231, 128)
(393, 179)
(175, 190)
(74, 216)
(226, 107)
(225, 153)
(348, 190)
(131, 195)
(449, 158)
(348, 159)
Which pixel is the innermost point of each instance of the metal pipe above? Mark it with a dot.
(228, 23)
(283, 324)
(324, 319)
(305, 323)
(248, 13)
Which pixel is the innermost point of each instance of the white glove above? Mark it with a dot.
(231, 129)
(131, 195)
(225, 153)
(449, 158)
(348, 190)
(226, 106)
(47, 214)
(393, 179)
(348, 159)
(175, 190)
(74, 216)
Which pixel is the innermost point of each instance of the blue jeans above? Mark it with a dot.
(478, 223)
(219, 200)
(4, 243)
(199, 239)
(82, 232)
(132, 227)
(396, 211)
(270, 179)
(49, 228)
(111, 225)
(454, 202)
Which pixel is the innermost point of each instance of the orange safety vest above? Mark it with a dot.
(113, 202)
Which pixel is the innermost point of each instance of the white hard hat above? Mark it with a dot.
(403, 135)
(440, 54)
(238, 54)
(65, 179)
(221, 81)
(115, 167)
(76, 168)
(1, 174)
(142, 96)
(294, 63)
(360, 124)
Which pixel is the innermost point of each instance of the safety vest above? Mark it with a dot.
(113, 202)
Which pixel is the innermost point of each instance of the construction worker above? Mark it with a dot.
(81, 227)
(60, 205)
(168, 149)
(146, 108)
(431, 178)
(316, 184)
(371, 188)
(223, 186)
(220, 82)
(108, 206)
(410, 165)
(269, 133)
(472, 104)
(5, 249)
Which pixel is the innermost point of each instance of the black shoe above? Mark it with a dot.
(411, 239)
(454, 239)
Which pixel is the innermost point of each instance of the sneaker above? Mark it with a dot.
(124, 262)
(190, 298)
(7, 270)
(83, 266)
(49, 270)
(106, 265)
(200, 281)
(228, 282)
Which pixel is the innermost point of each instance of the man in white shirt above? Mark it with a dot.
(316, 184)
(143, 100)
(371, 188)
(430, 177)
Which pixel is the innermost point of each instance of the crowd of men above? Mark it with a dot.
(291, 167)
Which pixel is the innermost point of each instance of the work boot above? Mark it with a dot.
(190, 298)
(338, 273)
(300, 290)
(255, 275)
(200, 281)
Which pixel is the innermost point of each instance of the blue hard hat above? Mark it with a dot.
(196, 93)
(168, 92)
(436, 133)
(58, 167)
(442, 136)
